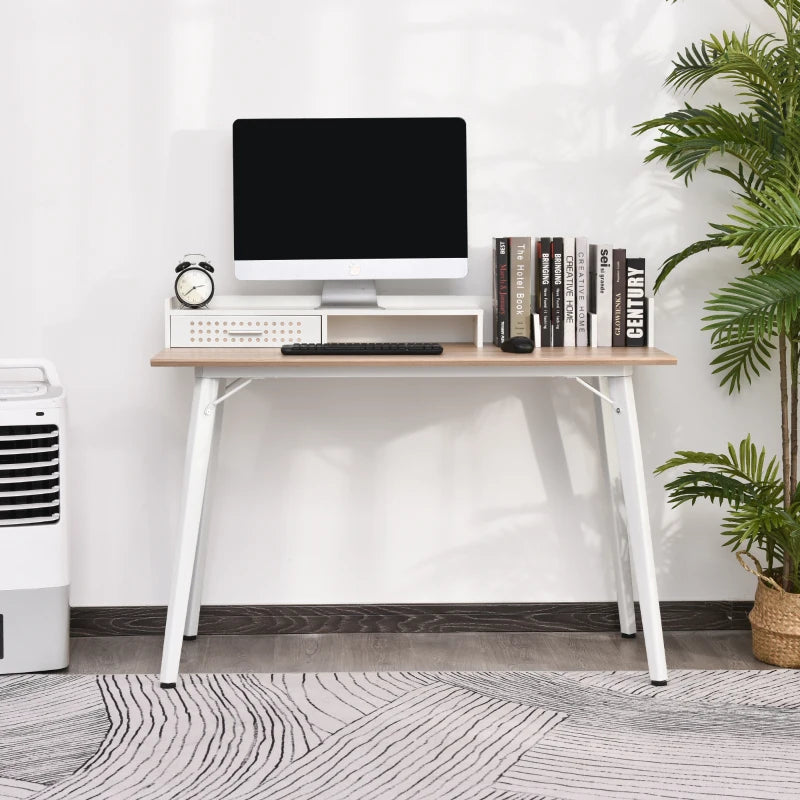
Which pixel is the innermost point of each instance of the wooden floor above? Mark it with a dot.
(355, 652)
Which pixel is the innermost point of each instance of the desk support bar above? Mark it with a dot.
(230, 390)
(198, 454)
(626, 433)
(600, 394)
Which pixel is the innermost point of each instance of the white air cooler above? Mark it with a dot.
(34, 576)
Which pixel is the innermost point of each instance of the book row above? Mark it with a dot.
(564, 292)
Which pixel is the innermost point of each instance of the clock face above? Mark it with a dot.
(194, 287)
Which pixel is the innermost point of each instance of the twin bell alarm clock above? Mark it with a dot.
(194, 286)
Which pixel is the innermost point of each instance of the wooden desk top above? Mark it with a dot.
(459, 355)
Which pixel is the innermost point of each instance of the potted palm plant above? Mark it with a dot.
(754, 320)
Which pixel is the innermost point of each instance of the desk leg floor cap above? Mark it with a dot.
(659, 683)
(629, 635)
(167, 685)
(189, 638)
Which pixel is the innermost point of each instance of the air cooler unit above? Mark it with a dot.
(34, 578)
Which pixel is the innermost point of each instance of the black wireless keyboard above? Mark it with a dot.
(363, 349)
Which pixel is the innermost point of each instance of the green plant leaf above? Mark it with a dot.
(752, 65)
(744, 319)
(697, 485)
(766, 226)
(690, 136)
(746, 462)
(713, 240)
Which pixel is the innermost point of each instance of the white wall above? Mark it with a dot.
(115, 146)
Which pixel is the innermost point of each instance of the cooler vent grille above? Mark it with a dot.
(29, 475)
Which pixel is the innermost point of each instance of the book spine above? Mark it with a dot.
(635, 304)
(558, 291)
(501, 297)
(618, 281)
(592, 329)
(569, 291)
(546, 310)
(603, 293)
(581, 291)
(593, 256)
(495, 323)
(520, 257)
(534, 287)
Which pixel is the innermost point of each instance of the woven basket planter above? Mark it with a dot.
(775, 620)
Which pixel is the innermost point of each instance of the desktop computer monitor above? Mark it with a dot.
(349, 200)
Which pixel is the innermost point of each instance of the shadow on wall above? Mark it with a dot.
(560, 511)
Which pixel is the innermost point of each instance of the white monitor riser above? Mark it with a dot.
(272, 320)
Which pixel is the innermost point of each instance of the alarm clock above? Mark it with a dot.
(194, 286)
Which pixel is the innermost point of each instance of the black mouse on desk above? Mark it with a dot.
(517, 344)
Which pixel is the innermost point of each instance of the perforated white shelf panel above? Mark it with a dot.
(205, 329)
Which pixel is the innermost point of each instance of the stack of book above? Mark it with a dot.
(564, 292)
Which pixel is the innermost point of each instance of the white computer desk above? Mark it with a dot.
(219, 373)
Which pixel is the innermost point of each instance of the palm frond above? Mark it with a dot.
(749, 64)
(787, 152)
(742, 359)
(744, 320)
(762, 523)
(748, 182)
(746, 463)
(760, 304)
(766, 226)
(702, 485)
(683, 458)
(713, 240)
(690, 136)
(789, 15)
(740, 478)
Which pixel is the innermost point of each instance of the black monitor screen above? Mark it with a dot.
(349, 188)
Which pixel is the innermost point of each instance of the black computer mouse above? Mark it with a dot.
(517, 344)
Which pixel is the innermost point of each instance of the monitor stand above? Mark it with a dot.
(349, 294)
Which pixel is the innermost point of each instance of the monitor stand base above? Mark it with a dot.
(349, 294)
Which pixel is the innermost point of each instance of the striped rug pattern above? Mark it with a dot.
(402, 735)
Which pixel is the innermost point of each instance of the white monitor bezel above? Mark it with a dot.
(350, 269)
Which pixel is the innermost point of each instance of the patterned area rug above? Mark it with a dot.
(432, 735)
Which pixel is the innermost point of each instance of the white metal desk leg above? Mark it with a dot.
(629, 449)
(198, 452)
(622, 563)
(198, 574)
